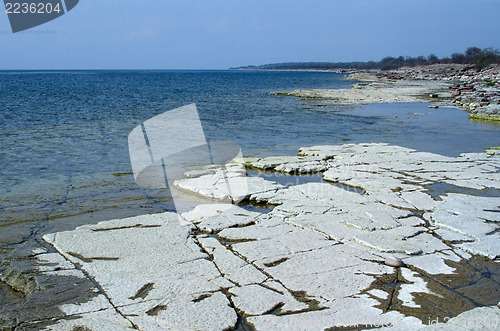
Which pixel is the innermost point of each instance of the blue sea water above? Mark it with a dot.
(64, 153)
(61, 123)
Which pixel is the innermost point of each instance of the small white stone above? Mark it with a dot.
(393, 261)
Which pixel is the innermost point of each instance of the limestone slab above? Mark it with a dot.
(260, 299)
(150, 258)
(231, 266)
(218, 217)
(98, 320)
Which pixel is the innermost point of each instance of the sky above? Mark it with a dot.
(218, 34)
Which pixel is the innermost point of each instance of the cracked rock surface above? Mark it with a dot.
(315, 261)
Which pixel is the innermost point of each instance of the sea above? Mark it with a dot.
(64, 158)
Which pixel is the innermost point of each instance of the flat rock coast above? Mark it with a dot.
(389, 237)
(477, 92)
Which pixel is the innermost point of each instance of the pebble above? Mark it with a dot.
(393, 261)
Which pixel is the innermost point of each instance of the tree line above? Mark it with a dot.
(480, 58)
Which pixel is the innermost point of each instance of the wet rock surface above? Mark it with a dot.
(377, 92)
(477, 92)
(316, 261)
(227, 184)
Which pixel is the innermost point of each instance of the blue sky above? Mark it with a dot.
(218, 34)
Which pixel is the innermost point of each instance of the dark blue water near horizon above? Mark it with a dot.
(64, 133)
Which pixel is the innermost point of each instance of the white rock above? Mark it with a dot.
(302, 168)
(393, 261)
(52, 262)
(99, 320)
(218, 217)
(487, 247)
(433, 264)
(466, 224)
(379, 294)
(147, 259)
(226, 187)
(416, 285)
(199, 173)
(206, 311)
(260, 299)
(352, 313)
(99, 302)
(481, 318)
(291, 164)
(452, 236)
(392, 241)
(420, 200)
(332, 224)
(231, 266)
(290, 303)
(203, 211)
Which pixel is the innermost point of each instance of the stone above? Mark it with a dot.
(97, 303)
(481, 318)
(452, 236)
(219, 217)
(327, 151)
(290, 301)
(332, 224)
(228, 185)
(53, 262)
(433, 264)
(203, 311)
(302, 168)
(98, 320)
(203, 211)
(291, 164)
(199, 173)
(420, 200)
(259, 299)
(231, 266)
(275, 248)
(465, 224)
(348, 313)
(392, 241)
(489, 247)
(19, 281)
(393, 261)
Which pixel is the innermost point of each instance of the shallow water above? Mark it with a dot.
(439, 189)
(64, 151)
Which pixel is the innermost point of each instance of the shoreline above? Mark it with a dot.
(458, 85)
(379, 91)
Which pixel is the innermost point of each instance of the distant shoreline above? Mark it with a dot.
(337, 71)
(477, 92)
